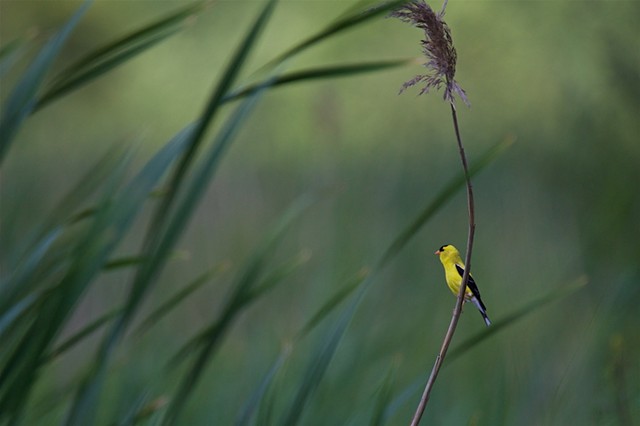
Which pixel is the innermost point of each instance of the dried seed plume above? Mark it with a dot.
(438, 48)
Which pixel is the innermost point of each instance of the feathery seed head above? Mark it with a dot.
(437, 46)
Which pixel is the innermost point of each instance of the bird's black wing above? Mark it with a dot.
(472, 285)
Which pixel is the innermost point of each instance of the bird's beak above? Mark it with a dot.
(437, 252)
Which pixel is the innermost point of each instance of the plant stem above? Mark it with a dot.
(457, 310)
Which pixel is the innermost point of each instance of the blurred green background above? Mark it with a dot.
(562, 78)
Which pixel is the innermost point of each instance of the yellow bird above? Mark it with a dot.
(453, 270)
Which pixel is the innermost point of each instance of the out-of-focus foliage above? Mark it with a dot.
(561, 78)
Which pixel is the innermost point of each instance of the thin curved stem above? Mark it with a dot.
(465, 277)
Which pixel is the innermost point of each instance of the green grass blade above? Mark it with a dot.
(45, 256)
(9, 54)
(316, 368)
(247, 287)
(9, 49)
(85, 332)
(321, 73)
(175, 300)
(208, 341)
(135, 260)
(194, 193)
(384, 396)
(40, 256)
(105, 59)
(257, 399)
(321, 359)
(331, 304)
(84, 76)
(136, 407)
(19, 373)
(161, 237)
(22, 98)
(277, 276)
(21, 281)
(200, 127)
(153, 317)
(123, 262)
(143, 409)
(244, 295)
(340, 25)
(150, 412)
(15, 311)
(112, 222)
(87, 185)
(109, 227)
(406, 395)
(443, 196)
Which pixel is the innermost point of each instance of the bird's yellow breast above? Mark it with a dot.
(454, 280)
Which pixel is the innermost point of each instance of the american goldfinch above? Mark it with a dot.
(453, 270)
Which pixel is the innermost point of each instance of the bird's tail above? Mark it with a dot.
(482, 310)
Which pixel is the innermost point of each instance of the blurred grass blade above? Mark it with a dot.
(9, 49)
(136, 407)
(406, 395)
(321, 73)
(116, 53)
(194, 192)
(161, 237)
(443, 196)
(321, 359)
(239, 299)
(316, 368)
(38, 257)
(153, 408)
(85, 332)
(143, 409)
(110, 225)
(384, 396)
(248, 287)
(123, 262)
(516, 316)
(22, 99)
(175, 300)
(268, 283)
(203, 175)
(9, 54)
(331, 304)
(87, 185)
(277, 276)
(257, 399)
(155, 316)
(358, 6)
(19, 283)
(45, 257)
(338, 26)
(15, 311)
(135, 260)
(208, 116)
(20, 372)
